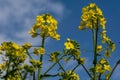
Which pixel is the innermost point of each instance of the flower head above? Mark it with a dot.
(68, 44)
(45, 26)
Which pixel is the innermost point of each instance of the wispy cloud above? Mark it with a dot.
(17, 16)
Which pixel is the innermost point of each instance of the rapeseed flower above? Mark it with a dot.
(45, 26)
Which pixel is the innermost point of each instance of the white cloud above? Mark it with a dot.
(20, 8)
(17, 16)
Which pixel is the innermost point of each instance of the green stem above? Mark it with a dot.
(86, 70)
(49, 75)
(29, 54)
(31, 58)
(41, 59)
(7, 72)
(25, 75)
(100, 76)
(61, 66)
(95, 33)
(75, 67)
(54, 64)
(113, 69)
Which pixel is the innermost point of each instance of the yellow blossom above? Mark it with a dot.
(113, 47)
(81, 60)
(33, 33)
(45, 26)
(92, 5)
(81, 27)
(57, 37)
(91, 14)
(107, 53)
(102, 22)
(41, 50)
(107, 67)
(85, 16)
(2, 66)
(84, 9)
(98, 68)
(103, 61)
(27, 45)
(69, 45)
(69, 75)
(105, 38)
(15, 46)
(99, 48)
(107, 76)
(89, 25)
(99, 11)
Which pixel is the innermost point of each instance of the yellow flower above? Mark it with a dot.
(77, 53)
(33, 33)
(41, 50)
(107, 76)
(81, 60)
(107, 67)
(92, 5)
(46, 26)
(85, 9)
(57, 37)
(99, 11)
(81, 28)
(69, 45)
(36, 51)
(105, 38)
(39, 19)
(82, 24)
(107, 53)
(103, 61)
(102, 22)
(99, 48)
(69, 75)
(15, 46)
(27, 45)
(98, 68)
(89, 25)
(90, 15)
(3, 66)
(113, 47)
(1, 49)
(85, 16)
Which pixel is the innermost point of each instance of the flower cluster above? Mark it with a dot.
(54, 56)
(99, 48)
(46, 26)
(91, 16)
(72, 48)
(108, 41)
(15, 77)
(70, 75)
(38, 51)
(29, 68)
(103, 66)
(13, 51)
(35, 63)
(14, 56)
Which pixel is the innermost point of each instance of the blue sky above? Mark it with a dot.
(17, 17)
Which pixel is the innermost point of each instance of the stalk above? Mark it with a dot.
(53, 64)
(41, 59)
(118, 62)
(95, 34)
